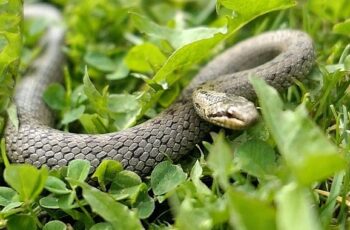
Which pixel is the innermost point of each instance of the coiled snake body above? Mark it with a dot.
(277, 57)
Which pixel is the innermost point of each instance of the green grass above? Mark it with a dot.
(290, 171)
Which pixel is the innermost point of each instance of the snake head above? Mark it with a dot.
(225, 110)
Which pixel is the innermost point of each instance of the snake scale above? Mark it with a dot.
(278, 57)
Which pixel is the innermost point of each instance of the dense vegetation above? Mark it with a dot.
(290, 171)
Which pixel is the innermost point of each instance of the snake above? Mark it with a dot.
(220, 94)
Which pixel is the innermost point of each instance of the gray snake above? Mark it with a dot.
(278, 57)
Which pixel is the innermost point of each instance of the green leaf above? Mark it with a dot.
(97, 100)
(54, 96)
(121, 72)
(220, 159)
(183, 58)
(178, 38)
(78, 170)
(327, 10)
(11, 206)
(218, 210)
(195, 176)
(107, 171)
(3, 152)
(102, 226)
(78, 96)
(93, 123)
(2, 123)
(347, 63)
(7, 196)
(144, 204)
(342, 28)
(27, 180)
(256, 158)
(73, 115)
(100, 61)
(245, 11)
(81, 218)
(49, 202)
(104, 205)
(245, 208)
(55, 225)
(144, 58)
(122, 103)
(21, 221)
(56, 185)
(125, 120)
(10, 48)
(66, 201)
(310, 155)
(125, 179)
(169, 96)
(166, 177)
(126, 184)
(36, 28)
(327, 211)
(12, 114)
(190, 217)
(295, 208)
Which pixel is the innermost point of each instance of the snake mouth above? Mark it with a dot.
(222, 114)
(234, 117)
(229, 119)
(230, 123)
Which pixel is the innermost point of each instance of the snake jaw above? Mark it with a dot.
(246, 116)
(235, 116)
(227, 121)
